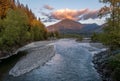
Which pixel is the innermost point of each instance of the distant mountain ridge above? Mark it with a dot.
(67, 26)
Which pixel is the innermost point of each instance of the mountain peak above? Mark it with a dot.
(65, 24)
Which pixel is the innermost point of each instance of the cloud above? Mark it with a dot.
(68, 14)
(97, 21)
(48, 7)
(93, 14)
(44, 14)
(82, 14)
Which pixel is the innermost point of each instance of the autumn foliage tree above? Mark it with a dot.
(18, 26)
(4, 6)
(38, 31)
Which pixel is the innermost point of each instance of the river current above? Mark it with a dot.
(72, 62)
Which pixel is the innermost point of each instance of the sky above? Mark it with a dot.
(53, 11)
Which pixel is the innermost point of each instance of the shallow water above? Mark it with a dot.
(72, 62)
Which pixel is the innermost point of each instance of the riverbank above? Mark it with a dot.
(107, 65)
(100, 59)
(27, 47)
(38, 54)
(92, 47)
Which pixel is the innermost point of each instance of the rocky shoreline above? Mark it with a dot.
(100, 61)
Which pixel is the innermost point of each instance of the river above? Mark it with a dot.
(72, 62)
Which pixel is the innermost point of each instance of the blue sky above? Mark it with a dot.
(43, 8)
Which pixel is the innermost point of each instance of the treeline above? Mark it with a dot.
(18, 26)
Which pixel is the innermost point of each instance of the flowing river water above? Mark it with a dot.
(72, 62)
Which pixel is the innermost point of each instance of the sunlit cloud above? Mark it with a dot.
(82, 14)
(68, 14)
(48, 7)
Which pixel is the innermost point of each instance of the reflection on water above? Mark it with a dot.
(71, 63)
